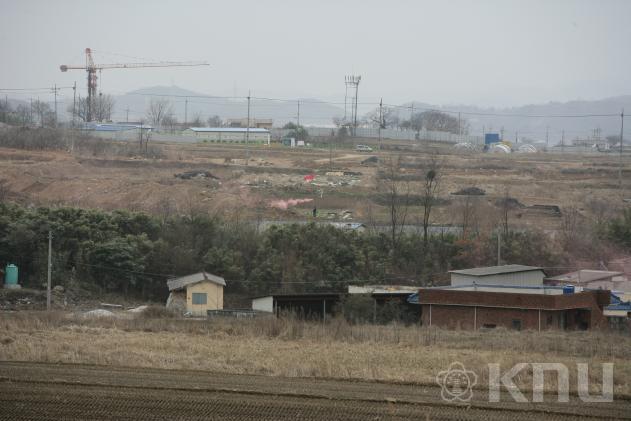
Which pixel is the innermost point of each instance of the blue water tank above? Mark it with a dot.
(568, 289)
(11, 274)
(490, 138)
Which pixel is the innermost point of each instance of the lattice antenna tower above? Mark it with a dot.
(350, 101)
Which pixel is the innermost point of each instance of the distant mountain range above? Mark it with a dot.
(527, 121)
(584, 118)
(532, 121)
(312, 111)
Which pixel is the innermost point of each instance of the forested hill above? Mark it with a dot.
(134, 253)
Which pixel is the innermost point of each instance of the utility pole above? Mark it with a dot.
(50, 266)
(140, 136)
(502, 134)
(355, 116)
(563, 140)
(247, 134)
(55, 91)
(621, 140)
(74, 103)
(459, 131)
(298, 117)
(380, 120)
(331, 155)
(547, 137)
(516, 136)
(499, 247)
(185, 111)
(40, 113)
(127, 115)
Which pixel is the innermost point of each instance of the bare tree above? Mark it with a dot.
(214, 121)
(170, 122)
(601, 211)
(397, 197)
(570, 227)
(43, 113)
(144, 136)
(24, 115)
(442, 122)
(389, 117)
(158, 110)
(434, 120)
(5, 191)
(429, 194)
(102, 108)
(197, 120)
(468, 214)
(507, 203)
(414, 123)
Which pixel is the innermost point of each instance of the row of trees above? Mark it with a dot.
(432, 120)
(35, 113)
(159, 113)
(134, 253)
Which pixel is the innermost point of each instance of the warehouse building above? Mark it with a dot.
(517, 275)
(474, 307)
(259, 123)
(230, 134)
(196, 294)
(323, 305)
(617, 282)
(318, 306)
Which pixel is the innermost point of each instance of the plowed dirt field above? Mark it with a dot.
(32, 391)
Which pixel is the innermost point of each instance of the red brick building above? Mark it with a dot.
(535, 308)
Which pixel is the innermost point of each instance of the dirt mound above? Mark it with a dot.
(470, 191)
(509, 202)
(370, 160)
(195, 174)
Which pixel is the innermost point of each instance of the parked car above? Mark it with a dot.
(363, 148)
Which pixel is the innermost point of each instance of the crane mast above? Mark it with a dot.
(91, 69)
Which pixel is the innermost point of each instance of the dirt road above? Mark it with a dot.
(79, 392)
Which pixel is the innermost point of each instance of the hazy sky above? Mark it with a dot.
(492, 53)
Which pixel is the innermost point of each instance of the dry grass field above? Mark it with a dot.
(110, 180)
(294, 348)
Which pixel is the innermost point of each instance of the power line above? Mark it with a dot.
(503, 114)
(124, 270)
(336, 103)
(34, 89)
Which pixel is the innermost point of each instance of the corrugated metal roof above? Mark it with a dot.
(495, 270)
(227, 130)
(621, 306)
(114, 127)
(585, 275)
(179, 283)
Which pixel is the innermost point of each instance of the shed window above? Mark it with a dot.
(516, 324)
(199, 298)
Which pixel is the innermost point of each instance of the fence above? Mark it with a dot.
(365, 132)
(393, 134)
